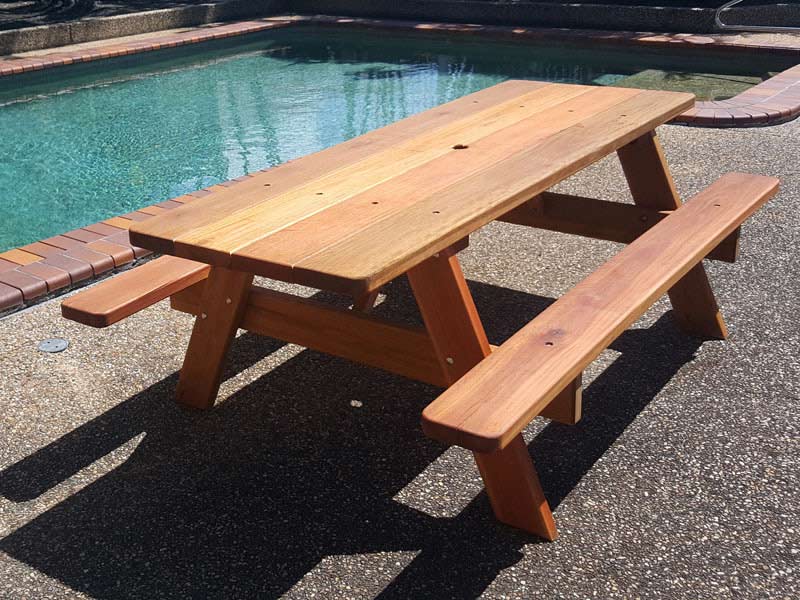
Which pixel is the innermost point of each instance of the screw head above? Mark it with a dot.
(449, 360)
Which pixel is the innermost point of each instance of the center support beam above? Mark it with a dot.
(460, 343)
(601, 220)
(349, 334)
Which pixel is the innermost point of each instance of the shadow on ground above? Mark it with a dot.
(244, 500)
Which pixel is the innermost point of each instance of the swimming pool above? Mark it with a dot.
(92, 141)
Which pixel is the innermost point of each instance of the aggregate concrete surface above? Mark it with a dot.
(311, 477)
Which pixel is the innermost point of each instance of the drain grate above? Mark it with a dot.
(53, 345)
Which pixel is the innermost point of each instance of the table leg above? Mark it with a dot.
(651, 185)
(221, 307)
(460, 343)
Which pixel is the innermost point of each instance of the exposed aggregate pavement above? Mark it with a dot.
(312, 479)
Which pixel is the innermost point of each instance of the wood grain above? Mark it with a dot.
(651, 185)
(487, 409)
(514, 491)
(127, 293)
(391, 246)
(221, 308)
(352, 335)
(460, 343)
(601, 220)
(352, 217)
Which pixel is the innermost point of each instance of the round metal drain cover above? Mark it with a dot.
(53, 345)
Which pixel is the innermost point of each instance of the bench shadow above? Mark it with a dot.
(245, 500)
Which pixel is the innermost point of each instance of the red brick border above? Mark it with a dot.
(56, 264)
(776, 100)
(14, 65)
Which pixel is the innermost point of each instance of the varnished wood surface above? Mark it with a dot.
(487, 408)
(127, 293)
(349, 334)
(352, 217)
(460, 343)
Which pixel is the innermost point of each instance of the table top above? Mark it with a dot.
(354, 216)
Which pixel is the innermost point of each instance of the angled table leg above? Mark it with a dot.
(460, 343)
(221, 307)
(651, 185)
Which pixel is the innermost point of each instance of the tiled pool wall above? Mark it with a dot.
(56, 264)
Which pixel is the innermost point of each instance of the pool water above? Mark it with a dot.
(87, 142)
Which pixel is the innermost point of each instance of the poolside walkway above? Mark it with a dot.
(681, 482)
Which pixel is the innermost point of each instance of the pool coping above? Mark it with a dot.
(40, 270)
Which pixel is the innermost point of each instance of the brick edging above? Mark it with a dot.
(15, 65)
(57, 264)
(774, 101)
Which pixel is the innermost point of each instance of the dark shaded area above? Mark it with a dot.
(15, 14)
(29, 13)
(244, 500)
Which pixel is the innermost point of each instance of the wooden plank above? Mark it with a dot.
(159, 234)
(366, 302)
(514, 491)
(276, 254)
(221, 308)
(129, 292)
(651, 185)
(487, 410)
(354, 336)
(449, 312)
(567, 406)
(601, 220)
(215, 242)
(460, 343)
(393, 245)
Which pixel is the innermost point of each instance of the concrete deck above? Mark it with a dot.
(311, 477)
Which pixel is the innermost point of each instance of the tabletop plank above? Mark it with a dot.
(354, 216)
(389, 247)
(159, 233)
(216, 241)
(291, 245)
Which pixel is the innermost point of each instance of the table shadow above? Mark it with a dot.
(244, 500)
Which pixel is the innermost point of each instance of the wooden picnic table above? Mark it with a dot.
(404, 199)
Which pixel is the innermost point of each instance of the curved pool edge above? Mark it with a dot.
(772, 102)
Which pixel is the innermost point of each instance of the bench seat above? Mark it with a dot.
(132, 291)
(487, 408)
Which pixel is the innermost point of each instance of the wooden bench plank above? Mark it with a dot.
(129, 292)
(393, 245)
(488, 407)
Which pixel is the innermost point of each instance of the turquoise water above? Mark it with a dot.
(81, 144)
